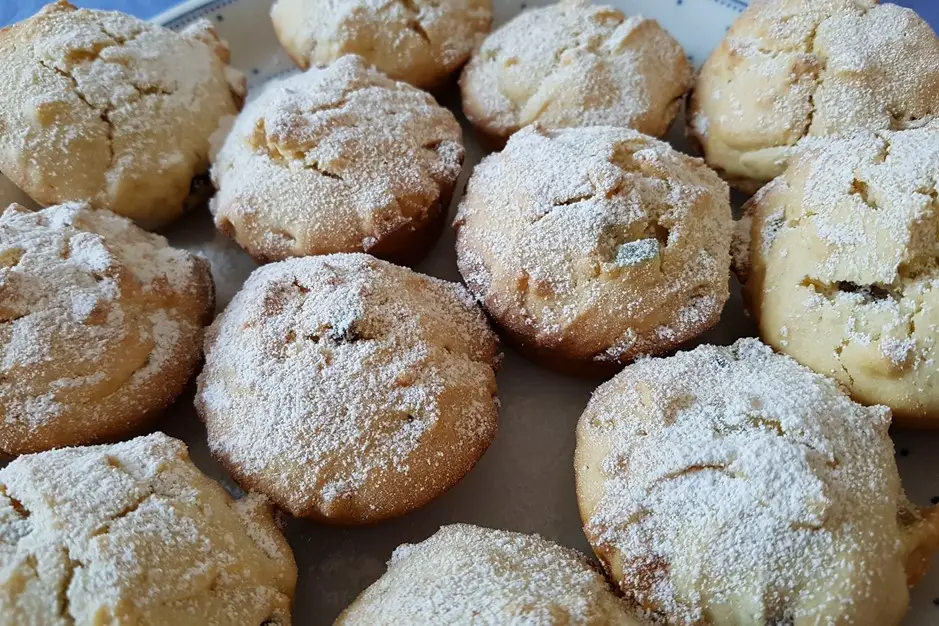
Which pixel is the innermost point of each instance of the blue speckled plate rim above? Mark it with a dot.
(189, 11)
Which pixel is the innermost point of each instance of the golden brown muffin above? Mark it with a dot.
(575, 64)
(102, 107)
(731, 486)
(100, 326)
(134, 533)
(592, 246)
(467, 575)
(421, 42)
(348, 389)
(840, 267)
(338, 159)
(790, 69)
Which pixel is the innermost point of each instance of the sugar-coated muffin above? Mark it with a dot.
(791, 69)
(592, 246)
(100, 326)
(338, 159)
(732, 486)
(838, 257)
(101, 107)
(421, 42)
(466, 575)
(134, 533)
(575, 64)
(348, 389)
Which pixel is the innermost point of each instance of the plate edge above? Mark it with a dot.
(187, 6)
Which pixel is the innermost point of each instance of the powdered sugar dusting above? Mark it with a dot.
(873, 187)
(598, 238)
(329, 376)
(134, 529)
(787, 71)
(576, 64)
(95, 102)
(861, 211)
(465, 574)
(418, 41)
(739, 483)
(84, 293)
(336, 159)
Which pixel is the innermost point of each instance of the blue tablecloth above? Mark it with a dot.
(13, 10)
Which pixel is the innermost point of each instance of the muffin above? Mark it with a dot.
(338, 159)
(592, 246)
(100, 326)
(348, 389)
(733, 486)
(421, 42)
(840, 268)
(104, 108)
(134, 533)
(470, 575)
(792, 69)
(575, 64)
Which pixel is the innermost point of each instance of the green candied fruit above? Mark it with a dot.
(637, 252)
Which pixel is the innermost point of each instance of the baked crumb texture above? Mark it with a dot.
(841, 268)
(134, 533)
(731, 485)
(348, 389)
(101, 107)
(592, 246)
(575, 64)
(338, 159)
(792, 69)
(422, 42)
(100, 326)
(470, 575)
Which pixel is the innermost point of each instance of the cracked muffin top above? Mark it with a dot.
(575, 64)
(102, 107)
(731, 485)
(134, 533)
(466, 574)
(790, 69)
(592, 246)
(338, 159)
(421, 42)
(348, 389)
(840, 258)
(100, 325)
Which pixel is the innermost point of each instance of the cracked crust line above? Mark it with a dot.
(104, 113)
(860, 189)
(598, 50)
(837, 352)
(105, 527)
(64, 602)
(415, 22)
(819, 79)
(808, 47)
(822, 72)
(272, 148)
(15, 503)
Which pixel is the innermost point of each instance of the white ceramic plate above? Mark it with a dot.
(525, 482)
